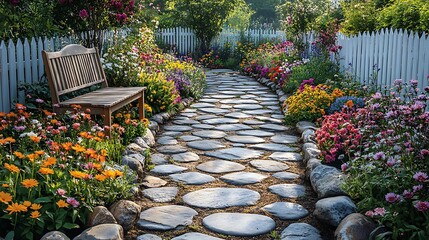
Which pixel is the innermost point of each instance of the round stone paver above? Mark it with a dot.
(167, 169)
(243, 178)
(286, 156)
(153, 182)
(167, 140)
(274, 127)
(214, 110)
(166, 218)
(161, 195)
(185, 157)
(195, 236)
(158, 159)
(205, 145)
(220, 166)
(286, 210)
(300, 231)
(269, 166)
(202, 105)
(286, 176)
(274, 147)
(232, 127)
(235, 153)
(192, 178)
(221, 121)
(284, 139)
(239, 224)
(244, 139)
(209, 134)
(221, 198)
(203, 126)
(148, 237)
(177, 128)
(189, 138)
(288, 190)
(256, 133)
(237, 115)
(248, 106)
(172, 149)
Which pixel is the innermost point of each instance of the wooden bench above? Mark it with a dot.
(76, 67)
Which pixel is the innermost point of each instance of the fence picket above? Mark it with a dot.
(4, 84)
(13, 83)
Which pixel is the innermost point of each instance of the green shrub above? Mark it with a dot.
(358, 17)
(403, 14)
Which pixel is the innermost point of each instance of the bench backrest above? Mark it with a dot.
(72, 68)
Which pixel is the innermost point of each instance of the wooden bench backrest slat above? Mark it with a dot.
(73, 68)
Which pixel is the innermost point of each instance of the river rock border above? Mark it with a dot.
(334, 206)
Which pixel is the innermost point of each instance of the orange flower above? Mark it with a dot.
(78, 148)
(32, 157)
(26, 203)
(46, 171)
(16, 208)
(54, 121)
(119, 173)
(5, 185)
(109, 173)
(49, 162)
(62, 204)
(100, 177)
(5, 197)
(35, 207)
(78, 174)
(35, 139)
(66, 146)
(11, 168)
(19, 155)
(40, 152)
(7, 140)
(35, 214)
(30, 183)
(349, 103)
(97, 166)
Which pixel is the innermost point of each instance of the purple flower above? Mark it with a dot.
(344, 167)
(420, 177)
(422, 206)
(39, 100)
(397, 82)
(392, 197)
(377, 96)
(417, 188)
(379, 155)
(19, 128)
(414, 82)
(407, 194)
(391, 162)
(73, 202)
(14, 2)
(83, 14)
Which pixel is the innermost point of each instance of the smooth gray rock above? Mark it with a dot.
(232, 127)
(213, 134)
(102, 232)
(141, 142)
(258, 112)
(149, 138)
(167, 140)
(220, 166)
(286, 156)
(248, 106)
(218, 198)
(134, 148)
(221, 121)
(274, 147)
(100, 215)
(135, 162)
(269, 119)
(288, 190)
(243, 178)
(334, 209)
(202, 105)
(355, 227)
(171, 149)
(269, 166)
(235, 153)
(148, 237)
(239, 224)
(326, 181)
(274, 127)
(171, 134)
(203, 126)
(286, 210)
(154, 127)
(153, 182)
(205, 145)
(167, 169)
(303, 125)
(311, 165)
(309, 135)
(162, 194)
(53, 235)
(185, 122)
(188, 114)
(286, 176)
(256, 133)
(277, 116)
(171, 217)
(244, 139)
(206, 116)
(310, 153)
(195, 236)
(300, 231)
(158, 159)
(214, 110)
(189, 138)
(177, 128)
(192, 178)
(253, 122)
(125, 213)
(238, 115)
(239, 101)
(185, 157)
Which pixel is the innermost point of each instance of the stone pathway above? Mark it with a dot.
(228, 168)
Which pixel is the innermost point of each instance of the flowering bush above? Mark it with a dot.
(388, 175)
(160, 94)
(346, 101)
(54, 169)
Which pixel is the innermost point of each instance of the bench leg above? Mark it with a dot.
(141, 107)
(108, 120)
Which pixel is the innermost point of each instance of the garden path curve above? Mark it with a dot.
(228, 168)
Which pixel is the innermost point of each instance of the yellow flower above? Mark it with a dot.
(5, 197)
(62, 204)
(35, 207)
(11, 168)
(16, 208)
(35, 214)
(29, 183)
(26, 203)
(46, 171)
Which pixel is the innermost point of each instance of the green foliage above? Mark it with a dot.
(239, 18)
(405, 14)
(359, 17)
(265, 11)
(160, 94)
(205, 17)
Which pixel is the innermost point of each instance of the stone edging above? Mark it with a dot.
(334, 207)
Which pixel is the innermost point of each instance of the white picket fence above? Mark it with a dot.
(183, 40)
(398, 54)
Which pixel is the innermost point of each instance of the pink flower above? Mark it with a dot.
(422, 206)
(417, 188)
(379, 211)
(392, 197)
(369, 214)
(73, 202)
(76, 125)
(407, 194)
(83, 14)
(377, 96)
(61, 191)
(39, 100)
(344, 167)
(379, 155)
(420, 176)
